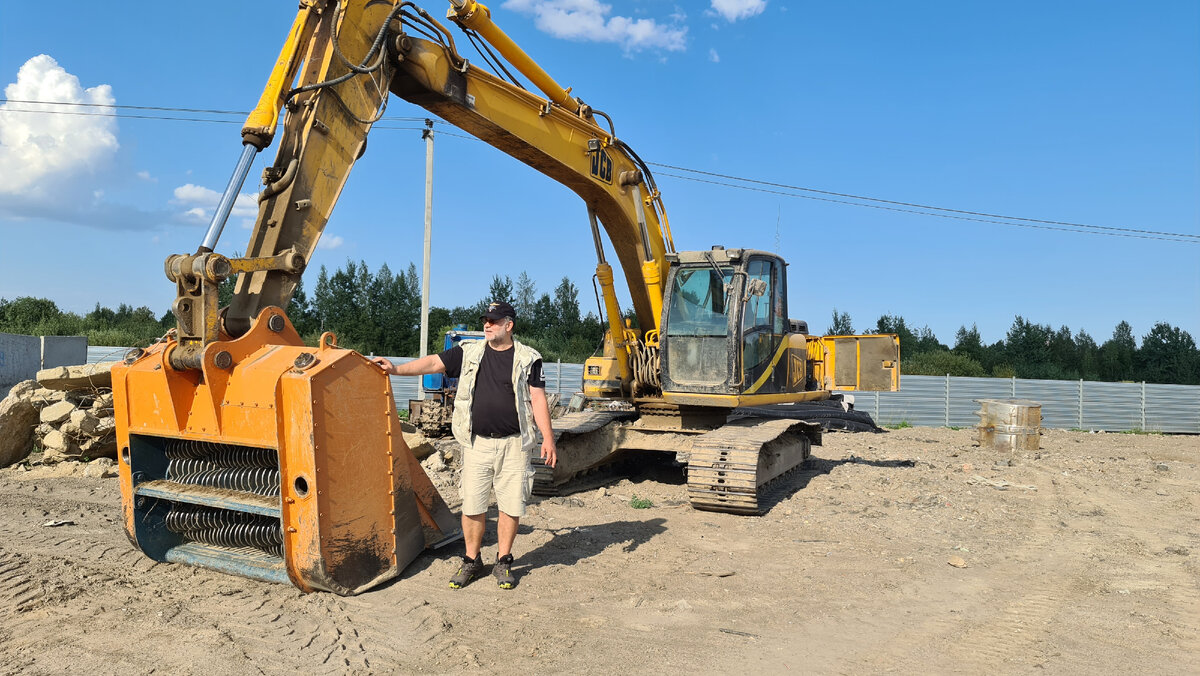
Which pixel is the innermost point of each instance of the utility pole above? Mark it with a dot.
(427, 134)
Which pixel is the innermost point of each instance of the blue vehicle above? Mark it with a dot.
(432, 414)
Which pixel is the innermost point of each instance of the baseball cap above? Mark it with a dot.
(498, 310)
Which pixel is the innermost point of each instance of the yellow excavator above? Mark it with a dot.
(243, 450)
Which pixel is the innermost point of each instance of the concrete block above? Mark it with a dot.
(63, 351)
(82, 377)
(20, 359)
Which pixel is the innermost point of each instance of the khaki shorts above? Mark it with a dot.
(502, 464)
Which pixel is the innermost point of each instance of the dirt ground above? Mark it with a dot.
(909, 552)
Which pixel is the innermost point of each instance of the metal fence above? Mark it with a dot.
(944, 401)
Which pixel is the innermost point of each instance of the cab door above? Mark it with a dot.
(764, 322)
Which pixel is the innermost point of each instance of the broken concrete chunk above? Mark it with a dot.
(18, 418)
(81, 377)
(56, 441)
(100, 468)
(84, 420)
(418, 444)
(43, 397)
(99, 448)
(57, 413)
(23, 389)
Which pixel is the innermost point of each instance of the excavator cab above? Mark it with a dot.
(724, 322)
(726, 339)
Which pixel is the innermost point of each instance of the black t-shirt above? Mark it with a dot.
(494, 410)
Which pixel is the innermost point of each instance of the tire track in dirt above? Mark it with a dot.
(319, 633)
(20, 627)
(1010, 618)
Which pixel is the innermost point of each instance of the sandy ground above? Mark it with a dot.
(907, 552)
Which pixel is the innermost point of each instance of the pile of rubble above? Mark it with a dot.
(67, 413)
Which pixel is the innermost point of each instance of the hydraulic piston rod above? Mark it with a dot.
(228, 198)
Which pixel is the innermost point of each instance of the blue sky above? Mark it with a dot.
(1080, 112)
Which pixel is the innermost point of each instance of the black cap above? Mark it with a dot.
(498, 310)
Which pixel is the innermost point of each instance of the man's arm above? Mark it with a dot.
(541, 416)
(430, 363)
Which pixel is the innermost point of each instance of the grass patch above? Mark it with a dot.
(1141, 431)
(640, 503)
(902, 425)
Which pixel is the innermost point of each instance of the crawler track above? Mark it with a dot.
(729, 467)
(585, 448)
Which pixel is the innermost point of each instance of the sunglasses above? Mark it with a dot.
(489, 320)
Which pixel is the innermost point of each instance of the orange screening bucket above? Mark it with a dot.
(273, 461)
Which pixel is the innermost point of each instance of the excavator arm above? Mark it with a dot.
(343, 58)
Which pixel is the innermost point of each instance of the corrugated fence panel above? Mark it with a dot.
(1112, 406)
(1172, 408)
(99, 353)
(1059, 400)
(965, 391)
(922, 400)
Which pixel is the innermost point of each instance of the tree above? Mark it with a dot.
(896, 325)
(501, 289)
(1064, 355)
(943, 362)
(841, 325)
(1089, 356)
(566, 305)
(1117, 354)
(1168, 355)
(26, 314)
(303, 312)
(525, 295)
(1027, 349)
(968, 343)
(927, 342)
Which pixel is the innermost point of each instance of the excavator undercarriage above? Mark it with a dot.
(729, 458)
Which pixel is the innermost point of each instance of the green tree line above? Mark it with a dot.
(372, 312)
(1167, 354)
(379, 313)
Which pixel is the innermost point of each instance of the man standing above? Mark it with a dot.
(501, 396)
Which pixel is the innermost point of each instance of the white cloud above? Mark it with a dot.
(713, 55)
(41, 149)
(732, 10)
(330, 242)
(590, 20)
(203, 201)
(53, 161)
(145, 176)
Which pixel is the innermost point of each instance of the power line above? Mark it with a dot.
(915, 205)
(1170, 237)
(240, 113)
(898, 206)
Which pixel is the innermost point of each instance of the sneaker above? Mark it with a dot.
(503, 572)
(466, 572)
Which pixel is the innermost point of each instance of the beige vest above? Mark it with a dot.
(523, 359)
